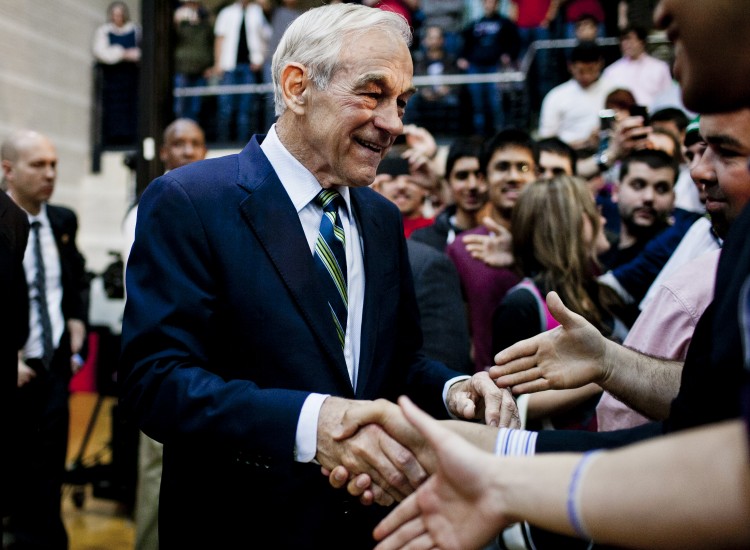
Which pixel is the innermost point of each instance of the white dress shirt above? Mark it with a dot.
(302, 188)
(34, 348)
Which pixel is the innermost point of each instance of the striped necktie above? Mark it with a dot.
(330, 259)
(40, 284)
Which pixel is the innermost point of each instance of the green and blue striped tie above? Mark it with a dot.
(330, 259)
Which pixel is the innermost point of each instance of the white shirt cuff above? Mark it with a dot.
(523, 408)
(447, 386)
(306, 439)
(512, 442)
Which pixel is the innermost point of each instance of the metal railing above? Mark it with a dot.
(516, 80)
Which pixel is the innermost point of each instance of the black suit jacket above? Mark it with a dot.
(75, 282)
(442, 312)
(14, 324)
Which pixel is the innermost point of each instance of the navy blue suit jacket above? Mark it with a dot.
(225, 335)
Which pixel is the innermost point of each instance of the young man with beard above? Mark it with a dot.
(678, 299)
(645, 199)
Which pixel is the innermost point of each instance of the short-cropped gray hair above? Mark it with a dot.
(315, 39)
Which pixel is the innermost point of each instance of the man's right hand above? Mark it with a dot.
(370, 450)
(493, 249)
(569, 356)
(25, 373)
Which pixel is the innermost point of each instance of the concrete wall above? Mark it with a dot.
(45, 85)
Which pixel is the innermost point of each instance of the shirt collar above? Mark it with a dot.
(299, 183)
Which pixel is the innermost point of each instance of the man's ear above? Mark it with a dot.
(294, 84)
(7, 167)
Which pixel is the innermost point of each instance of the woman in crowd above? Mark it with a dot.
(557, 236)
(117, 51)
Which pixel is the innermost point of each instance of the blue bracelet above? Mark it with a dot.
(573, 502)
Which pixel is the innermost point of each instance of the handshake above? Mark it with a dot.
(372, 449)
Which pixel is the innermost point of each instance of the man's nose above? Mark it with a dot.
(701, 170)
(387, 118)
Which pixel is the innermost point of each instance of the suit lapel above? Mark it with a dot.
(5, 224)
(376, 250)
(273, 219)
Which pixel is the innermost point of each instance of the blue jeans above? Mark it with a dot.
(188, 106)
(241, 103)
(542, 67)
(486, 102)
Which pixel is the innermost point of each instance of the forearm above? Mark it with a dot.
(218, 45)
(699, 478)
(552, 402)
(646, 384)
(481, 435)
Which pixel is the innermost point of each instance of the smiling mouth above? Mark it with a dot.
(374, 147)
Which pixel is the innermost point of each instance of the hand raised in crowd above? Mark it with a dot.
(493, 249)
(460, 493)
(628, 135)
(569, 356)
(419, 141)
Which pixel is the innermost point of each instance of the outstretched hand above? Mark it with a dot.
(569, 356)
(456, 508)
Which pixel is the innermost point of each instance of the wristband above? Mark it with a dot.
(574, 495)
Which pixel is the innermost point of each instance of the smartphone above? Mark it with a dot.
(640, 110)
(606, 119)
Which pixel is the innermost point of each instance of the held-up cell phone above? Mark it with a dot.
(640, 110)
(606, 119)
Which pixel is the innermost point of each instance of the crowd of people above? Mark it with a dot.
(560, 310)
(232, 43)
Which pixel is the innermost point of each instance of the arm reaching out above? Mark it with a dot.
(575, 354)
(391, 419)
(569, 356)
(473, 495)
